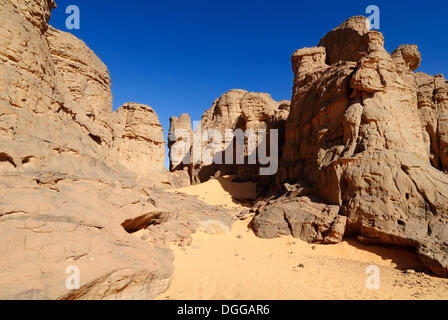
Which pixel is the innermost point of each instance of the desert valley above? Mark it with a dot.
(345, 181)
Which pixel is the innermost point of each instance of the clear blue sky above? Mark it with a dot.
(178, 56)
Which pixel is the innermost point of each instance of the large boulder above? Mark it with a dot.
(301, 215)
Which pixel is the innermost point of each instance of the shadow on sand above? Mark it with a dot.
(403, 258)
(242, 193)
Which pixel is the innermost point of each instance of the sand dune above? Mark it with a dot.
(239, 265)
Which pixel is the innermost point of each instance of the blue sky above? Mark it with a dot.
(178, 56)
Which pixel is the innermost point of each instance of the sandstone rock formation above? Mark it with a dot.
(175, 223)
(367, 135)
(82, 186)
(180, 139)
(236, 109)
(52, 222)
(433, 111)
(139, 144)
(301, 216)
(131, 137)
(87, 80)
(74, 176)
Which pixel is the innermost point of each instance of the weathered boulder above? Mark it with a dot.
(346, 42)
(303, 217)
(175, 223)
(407, 55)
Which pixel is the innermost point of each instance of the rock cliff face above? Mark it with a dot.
(236, 109)
(366, 134)
(75, 177)
(87, 80)
(131, 137)
(433, 111)
(139, 144)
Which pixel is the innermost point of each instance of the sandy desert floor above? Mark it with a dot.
(238, 265)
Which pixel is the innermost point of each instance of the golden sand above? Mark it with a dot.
(238, 265)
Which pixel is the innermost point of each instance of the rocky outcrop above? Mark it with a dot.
(244, 110)
(180, 140)
(236, 109)
(36, 12)
(41, 126)
(131, 137)
(74, 176)
(433, 112)
(139, 145)
(87, 80)
(407, 56)
(354, 136)
(52, 222)
(174, 225)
